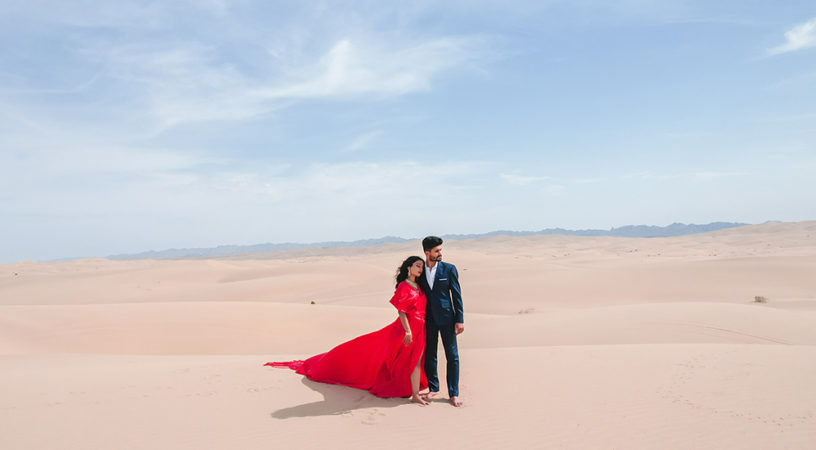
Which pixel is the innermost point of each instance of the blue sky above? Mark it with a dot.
(129, 126)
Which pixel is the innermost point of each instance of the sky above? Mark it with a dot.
(130, 126)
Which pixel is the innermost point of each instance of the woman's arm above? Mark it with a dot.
(404, 319)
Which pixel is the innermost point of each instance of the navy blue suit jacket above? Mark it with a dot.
(444, 304)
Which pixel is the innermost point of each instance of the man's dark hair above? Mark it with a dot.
(430, 242)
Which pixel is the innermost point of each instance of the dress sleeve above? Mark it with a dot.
(403, 298)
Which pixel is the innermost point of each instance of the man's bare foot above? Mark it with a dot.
(417, 399)
(455, 401)
(430, 395)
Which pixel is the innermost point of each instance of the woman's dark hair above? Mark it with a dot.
(402, 271)
(430, 242)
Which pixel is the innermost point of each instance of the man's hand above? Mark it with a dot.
(459, 328)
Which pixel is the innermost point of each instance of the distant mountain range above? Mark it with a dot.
(641, 231)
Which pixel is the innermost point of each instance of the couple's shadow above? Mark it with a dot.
(338, 400)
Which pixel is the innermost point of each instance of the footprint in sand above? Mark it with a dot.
(372, 418)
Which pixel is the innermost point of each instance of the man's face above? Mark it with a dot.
(434, 254)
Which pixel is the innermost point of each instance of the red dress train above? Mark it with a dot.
(378, 362)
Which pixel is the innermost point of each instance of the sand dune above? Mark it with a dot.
(570, 342)
(255, 327)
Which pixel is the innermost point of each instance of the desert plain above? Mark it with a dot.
(704, 341)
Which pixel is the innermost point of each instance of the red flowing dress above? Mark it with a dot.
(378, 362)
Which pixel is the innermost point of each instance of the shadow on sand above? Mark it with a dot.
(336, 400)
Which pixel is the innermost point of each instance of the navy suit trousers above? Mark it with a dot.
(451, 355)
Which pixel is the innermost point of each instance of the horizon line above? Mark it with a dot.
(371, 242)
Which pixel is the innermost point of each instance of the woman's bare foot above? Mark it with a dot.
(430, 395)
(455, 401)
(417, 399)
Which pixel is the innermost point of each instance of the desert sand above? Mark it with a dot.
(570, 342)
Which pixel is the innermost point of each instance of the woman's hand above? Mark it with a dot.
(407, 327)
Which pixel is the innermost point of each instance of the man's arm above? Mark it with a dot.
(456, 298)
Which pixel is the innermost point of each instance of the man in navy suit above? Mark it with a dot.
(443, 317)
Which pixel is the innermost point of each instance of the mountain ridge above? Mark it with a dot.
(632, 231)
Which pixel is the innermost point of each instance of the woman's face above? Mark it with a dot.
(416, 268)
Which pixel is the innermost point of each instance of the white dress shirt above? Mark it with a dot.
(430, 274)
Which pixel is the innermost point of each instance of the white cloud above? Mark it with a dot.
(187, 82)
(215, 65)
(181, 82)
(354, 182)
(111, 181)
(351, 69)
(797, 38)
(362, 141)
(38, 157)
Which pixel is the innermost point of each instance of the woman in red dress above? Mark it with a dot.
(387, 362)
